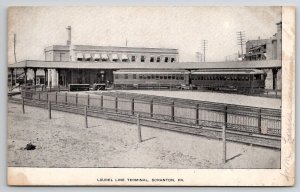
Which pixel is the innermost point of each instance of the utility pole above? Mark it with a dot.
(241, 40)
(204, 48)
(15, 39)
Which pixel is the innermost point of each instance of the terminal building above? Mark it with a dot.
(86, 64)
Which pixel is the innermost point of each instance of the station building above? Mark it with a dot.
(75, 55)
(86, 64)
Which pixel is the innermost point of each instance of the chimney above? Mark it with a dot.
(69, 35)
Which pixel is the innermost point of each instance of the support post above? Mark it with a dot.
(34, 73)
(76, 99)
(151, 108)
(116, 104)
(139, 128)
(259, 120)
(25, 76)
(132, 106)
(224, 143)
(39, 96)
(49, 109)
(225, 116)
(101, 102)
(85, 117)
(66, 98)
(56, 97)
(47, 96)
(12, 79)
(46, 77)
(88, 100)
(172, 111)
(197, 114)
(23, 105)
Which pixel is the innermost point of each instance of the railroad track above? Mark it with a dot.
(122, 116)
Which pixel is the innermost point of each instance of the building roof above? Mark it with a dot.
(110, 49)
(260, 64)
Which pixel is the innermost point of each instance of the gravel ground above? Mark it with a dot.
(63, 141)
(217, 97)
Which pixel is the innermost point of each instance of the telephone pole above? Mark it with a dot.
(241, 40)
(15, 39)
(204, 48)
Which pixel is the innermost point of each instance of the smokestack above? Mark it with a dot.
(69, 35)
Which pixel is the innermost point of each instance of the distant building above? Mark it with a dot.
(265, 49)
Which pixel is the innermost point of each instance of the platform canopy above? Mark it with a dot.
(262, 64)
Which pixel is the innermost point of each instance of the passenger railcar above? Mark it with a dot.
(228, 79)
(151, 78)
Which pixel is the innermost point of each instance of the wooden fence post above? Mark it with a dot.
(101, 102)
(49, 109)
(76, 99)
(172, 111)
(224, 143)
(139, 128)
(88, 100)
(259, 120)
(151, 108)
(85, 116)
(66, 98)
(132, 106)
(47, 96)
(23, 105)
(225, 116)
(39, 96)
(116, 104)
(197, 114)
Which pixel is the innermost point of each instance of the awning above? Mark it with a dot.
(87, 56)
(104, 56)
(114, 57)
(96, 56)
(79, 56)
(124, 57)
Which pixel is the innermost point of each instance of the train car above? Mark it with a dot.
(146, 78)
(228, 79)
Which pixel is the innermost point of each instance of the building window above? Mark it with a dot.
(133, 58)
(134, 76)
(166, 59)
(158, 59)
(151, 59)
(172, 59)
(143, 58)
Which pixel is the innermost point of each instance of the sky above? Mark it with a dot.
(182, 28)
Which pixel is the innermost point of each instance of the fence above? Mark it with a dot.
(205, 114)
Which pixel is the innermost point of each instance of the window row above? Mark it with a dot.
(221, 78)
(123, 58)
(157, 77)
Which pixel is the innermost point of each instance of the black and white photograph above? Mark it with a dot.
(122, 90)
